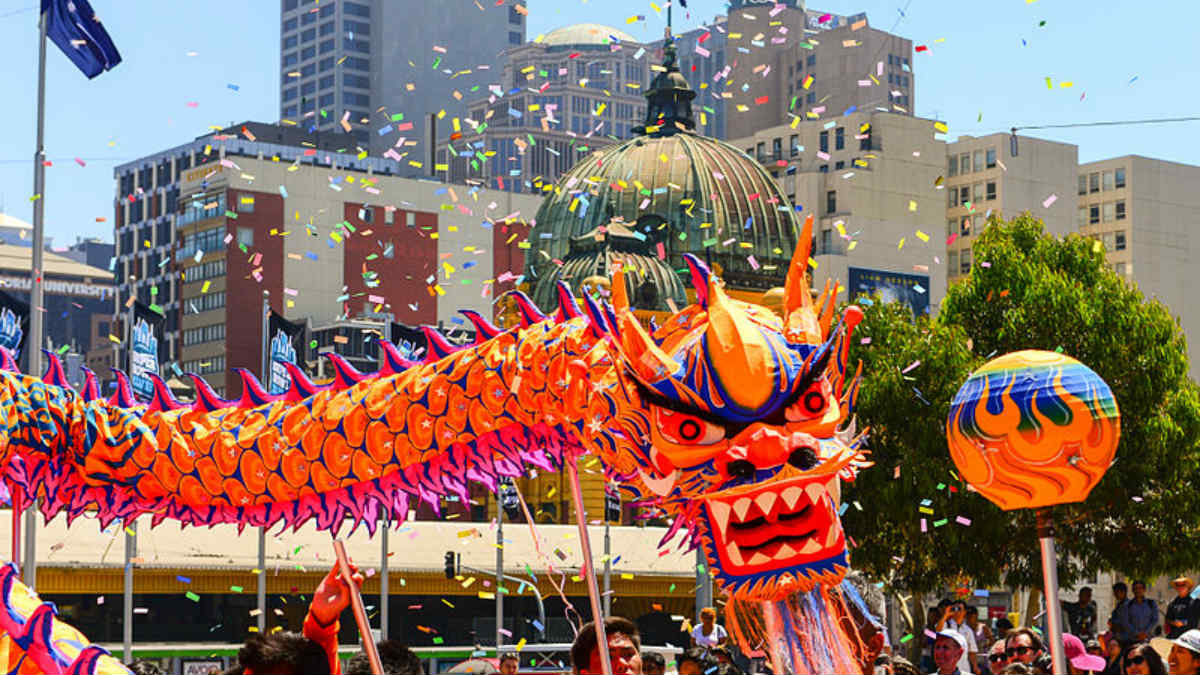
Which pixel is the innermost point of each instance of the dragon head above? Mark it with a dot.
(738, 422)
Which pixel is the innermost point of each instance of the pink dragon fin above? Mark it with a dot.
(437, 348)
(484, 330)
(345, 375)
(7, 362)
(301, 387)
(91, 386)
(162, 400)
(530, 314)
(55, 374)
(567, 307)
(253, 394)
(700, 274)
(123, 397)
(207, 399)
(393, 361)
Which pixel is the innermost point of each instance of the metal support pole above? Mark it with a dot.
(704, 592)
(384, 593)
(262, 531)
(1045, 532)
(499, 579)
(607, 568)
(18, 503)
(127, 591)
(36, 299)
(589, 567)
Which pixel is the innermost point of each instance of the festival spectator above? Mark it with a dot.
(653, 663)
(1184, 655)
(1143, 613)
(709, 633)
(1118, 622)
(1003, 626)
(509, 664)
(721, 654)
(696, 661)
(902, 666)
(997, 659)
(322, 623)
(394, 656)
(948, 649)
(1016, 669)
(957, 622)
(1112, 654)
(1142, 659)
(145, 667)
(624, 646)
(1081, 614)
(1183, 610)
(982, 635)
(1023, 645)
(934, 622)
(283, 653)
(1078, 660)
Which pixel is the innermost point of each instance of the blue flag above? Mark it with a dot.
(73, 26)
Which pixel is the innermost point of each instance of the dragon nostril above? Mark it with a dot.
(803, 458)
(740, 468)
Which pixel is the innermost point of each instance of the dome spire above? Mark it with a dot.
(669, 99)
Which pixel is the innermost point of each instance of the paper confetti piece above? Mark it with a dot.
(1049, 200)
(192, 596)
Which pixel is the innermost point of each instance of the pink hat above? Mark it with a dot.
(1078, 656)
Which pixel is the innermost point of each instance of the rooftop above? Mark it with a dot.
(585, 34)
(20, 259)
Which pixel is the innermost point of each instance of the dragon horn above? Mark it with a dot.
(206, 399)
(302, 386)
(530, 314)
(700, 275)
(91, 385)
(648, 360)
(799, 320)
(393, 361)
(253, 394)
(437, 347)
(484, 330)
(54, 371)
(567, 307)
(345, 375)
(162, 400)
(123, 397)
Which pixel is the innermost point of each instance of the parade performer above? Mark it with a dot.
(735, 421)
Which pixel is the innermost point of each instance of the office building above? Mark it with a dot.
(561, 97)
(1145, 211)
(380, 68)
(984, 177)
(91, 251)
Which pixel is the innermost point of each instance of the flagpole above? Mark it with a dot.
(34, 348)
(262, 531)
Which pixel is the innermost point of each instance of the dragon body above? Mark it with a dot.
(735, 421)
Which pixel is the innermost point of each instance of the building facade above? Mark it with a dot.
(378, 69)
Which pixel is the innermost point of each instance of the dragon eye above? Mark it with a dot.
(683, 429)
(812, 404)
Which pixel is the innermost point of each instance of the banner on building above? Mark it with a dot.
(144, 343)
(14, 324)
(410, 340)
(612, 502)
(287, 345)
(911, 289)
(509, 500)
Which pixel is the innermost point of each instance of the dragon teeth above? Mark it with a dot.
(834, 488)
(734, 553)
(791, 496)
(766, 501)
(720, 515)
(759, 558)
(785, 551)
(815, 492)
(831, 538)
(810, 546)
(741, 507)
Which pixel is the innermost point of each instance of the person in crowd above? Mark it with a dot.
(721, 654)
(902, 666)
(1023, 645)
(1003, 626)
(1118, 622)
(653, 663)
(282, 653)
(1079, 661)
(1016, 669)
(1113, 653)
(1142, 659)
(624, 645)
(997, 659)
(948, 649)
(323, 621)
(1081, 614)
(396, 658)
(957, 620)
(1143, 613)
(145, 667)
(510, 663)
(709, 633)
(1183, 611)
(1183, 653)
(982, 635)
(696, 661)
(934, 621)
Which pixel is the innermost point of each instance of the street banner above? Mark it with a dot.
(14, 324)
(145, 340)
(287, 344)
(410, 340)
(509, 500)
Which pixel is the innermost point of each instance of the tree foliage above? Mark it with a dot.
(1026, 290)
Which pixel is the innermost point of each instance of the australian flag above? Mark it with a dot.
(73, 26)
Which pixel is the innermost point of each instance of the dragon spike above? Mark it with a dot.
(648, 361)
(484, 330)
(162, 400)
(393, 361)
(530, 314)
(568, 308)
(437, 348)
(597, 322)
(55, 374)
(825, 308)
(301, 386)
(700, 275)
(253, 394)
(345, 375)
(799, 320)
(206, 399)
(7, 362)
(91, 385)
(620, 294)
(123, 396)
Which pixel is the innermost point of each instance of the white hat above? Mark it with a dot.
(1190, 641)
(962, 641)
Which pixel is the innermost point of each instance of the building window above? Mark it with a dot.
(978, 155)
(1120, 209)
(964, 266)
(831, 201)
(514, 37)
(839, 165)
(290, 59)
(245, 203)
(1120, 178)
(1081, 218)
(991, 190)
(991, 158)
(350, 98)
(964, 226)
(355, 10)
(289, 5)
(289, 94)
(1093, 214)
(777, 148)
(964, 163)
(366, 214)
(357, 81)
(1094, 182)
(327, 10)
(326, 28)
(811, 98)
(839, 141)
(514, 17)
(289, 42)
(794, 142)
(964, 196)
(824, 168)
(760, 152)
(308, 35)
(952, 167)
(290, 24)
(953, 202)
(824, 141)
(326, 64)
(410, 218)
(359, 45)
(1083, 184)
(1108, 180)
(307, 53)
(811, 60)
(952, 263)
(977, 193)
(327, 46)
(1119, 241)
(951, 224)
(1109, 213)
(245, 236)
(1120, 268)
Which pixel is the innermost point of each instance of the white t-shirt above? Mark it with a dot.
(964, 662)
(710, 640)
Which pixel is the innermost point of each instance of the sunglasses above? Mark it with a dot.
(1136, 660)
(1022, 650)
(997, 657)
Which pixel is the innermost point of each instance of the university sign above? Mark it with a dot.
(75, 288)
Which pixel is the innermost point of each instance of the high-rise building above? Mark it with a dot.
(984, 177)
(380, 68)
(788, 61)
(1144, 211)
(559, 98)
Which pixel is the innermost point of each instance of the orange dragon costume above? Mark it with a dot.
(735, 422)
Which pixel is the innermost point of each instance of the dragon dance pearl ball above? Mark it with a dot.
(1032, 429)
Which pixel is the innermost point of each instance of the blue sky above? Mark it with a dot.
(978, 76)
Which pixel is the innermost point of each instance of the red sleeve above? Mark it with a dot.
(327, 637)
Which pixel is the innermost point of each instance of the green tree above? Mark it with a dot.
(1026, 290)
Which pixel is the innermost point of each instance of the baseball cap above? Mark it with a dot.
(1078, 656)
(1190, 641)
(962, 641)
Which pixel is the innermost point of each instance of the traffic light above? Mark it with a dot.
(451, 565)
